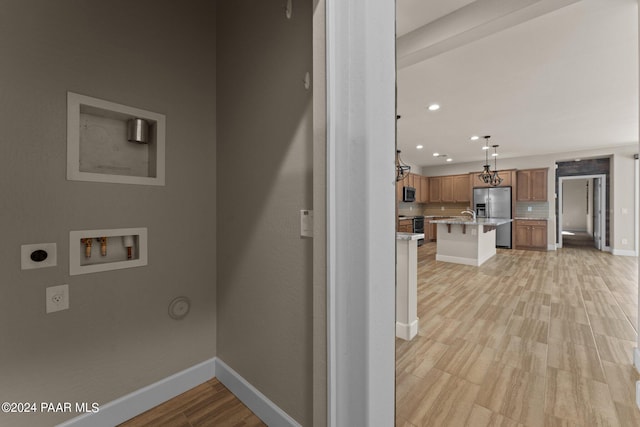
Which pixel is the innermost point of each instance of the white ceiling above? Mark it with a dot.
(537, 80)
(412, 14)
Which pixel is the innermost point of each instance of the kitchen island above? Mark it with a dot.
(467, 241)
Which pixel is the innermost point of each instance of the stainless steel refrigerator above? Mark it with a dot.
(495, 202)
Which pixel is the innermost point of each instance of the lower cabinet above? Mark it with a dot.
(405, 226)
(531, 234)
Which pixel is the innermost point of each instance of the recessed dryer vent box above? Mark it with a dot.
(98, 148)
(93, 251)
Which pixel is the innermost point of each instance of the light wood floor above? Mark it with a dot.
(209, 404)
(528, 339)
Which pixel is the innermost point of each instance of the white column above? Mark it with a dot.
(407, 286)
(360, 211)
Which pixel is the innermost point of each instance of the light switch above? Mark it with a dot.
(306, 223)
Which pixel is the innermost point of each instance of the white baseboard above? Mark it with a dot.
(407, 331)
(264, 408)
(127, 407)
(460, 260)
(624, 252)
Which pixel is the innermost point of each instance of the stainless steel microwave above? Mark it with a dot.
(408, 194)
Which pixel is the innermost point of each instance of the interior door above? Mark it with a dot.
(597, 213)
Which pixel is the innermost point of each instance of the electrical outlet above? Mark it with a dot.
(529, 209)
(624, 241)
(57, 298)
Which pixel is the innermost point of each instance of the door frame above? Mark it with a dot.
(603, 208)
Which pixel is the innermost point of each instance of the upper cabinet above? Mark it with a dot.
(435, 185)
(532, 185)
(419, 182)
(450, 188)
(446, 189)
(416, 182)
(424, 190)
(461, 188)
(529, 185)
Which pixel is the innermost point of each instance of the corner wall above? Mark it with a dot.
(157, 55)
(265, 155)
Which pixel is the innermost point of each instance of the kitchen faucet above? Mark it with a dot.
(473, 213)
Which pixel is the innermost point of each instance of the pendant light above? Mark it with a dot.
(488, 176)
(402, 169)
(495, 178)
(485, 175)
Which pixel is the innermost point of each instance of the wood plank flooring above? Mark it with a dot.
(209, 404)
(528, 339)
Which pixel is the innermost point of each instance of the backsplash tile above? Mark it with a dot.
(450, 209)
(538, 210)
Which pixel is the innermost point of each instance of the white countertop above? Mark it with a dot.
(469, 221)
(409, 236)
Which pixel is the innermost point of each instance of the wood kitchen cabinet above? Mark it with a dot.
(405, 226)
(531, 234)
(408, 182)
(449, 188)
(424, 189)
(433, 232)
(461, 188)
(531, 185)
(417, 184)
(435, 184)
(446, 189)
(399, 188)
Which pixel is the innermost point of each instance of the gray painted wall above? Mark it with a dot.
(265, 147)
(117, 336)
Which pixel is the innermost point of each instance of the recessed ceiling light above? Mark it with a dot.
(577, 160)
(474, 138)
(434, 107)
(485, 147)
(436, 154)
(449, 159)
(419, 147)
(494, 154)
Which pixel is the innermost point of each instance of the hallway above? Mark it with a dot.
(577, 239)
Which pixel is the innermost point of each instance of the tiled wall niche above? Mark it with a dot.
(97, 145)
(92, 251)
